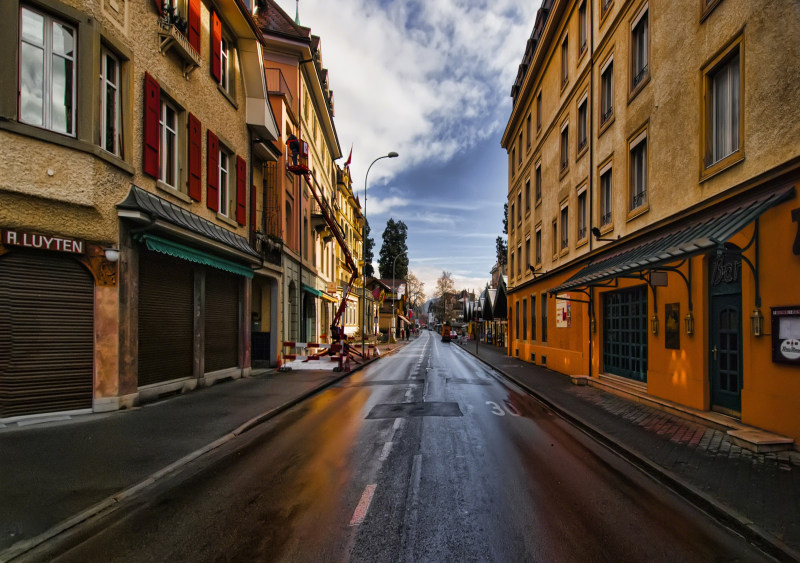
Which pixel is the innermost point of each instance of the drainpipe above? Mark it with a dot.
(590, 187)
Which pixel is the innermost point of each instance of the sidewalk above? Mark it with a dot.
(758, 495)
(57, 471)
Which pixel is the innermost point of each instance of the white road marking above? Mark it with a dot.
(363, 505)
(387, 447)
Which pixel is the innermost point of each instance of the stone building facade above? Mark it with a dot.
(652, 192)
(131, 134)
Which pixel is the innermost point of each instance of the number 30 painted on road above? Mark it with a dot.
(497, 410)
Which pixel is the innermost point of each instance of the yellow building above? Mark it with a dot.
(653, 207)
(128, 137)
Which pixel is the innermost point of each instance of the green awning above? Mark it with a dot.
(311, 290)
(178, 250)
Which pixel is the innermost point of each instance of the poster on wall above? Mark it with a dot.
(563, 312)
(672, 326)
(786, 334)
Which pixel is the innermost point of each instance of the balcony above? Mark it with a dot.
(171, 38)
(277, 85)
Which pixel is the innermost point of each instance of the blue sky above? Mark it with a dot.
(430, 80)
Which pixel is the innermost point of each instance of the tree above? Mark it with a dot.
(500, 242)
(415, 290)
(445, 288)
(369, 254)
(394, 244)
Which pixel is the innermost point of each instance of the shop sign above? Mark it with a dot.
(42, 242)
(563, 313)
(786, 334)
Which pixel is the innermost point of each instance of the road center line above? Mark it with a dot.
(387, 447)
(363, 505)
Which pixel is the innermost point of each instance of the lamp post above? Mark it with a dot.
(394, 291)
(363, 246)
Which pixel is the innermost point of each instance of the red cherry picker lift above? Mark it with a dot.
(298, 165)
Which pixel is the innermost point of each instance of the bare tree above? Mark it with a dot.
(415, 290)
(445, 289)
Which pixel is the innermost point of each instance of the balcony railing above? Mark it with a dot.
(607, 114)
(171, 37)
(638, 199)
(640, 76)
(276, 84)
(582, 233)
(605, 218)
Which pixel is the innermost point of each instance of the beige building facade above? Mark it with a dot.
(132, 133)
(651, 158)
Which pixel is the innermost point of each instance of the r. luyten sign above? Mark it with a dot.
(42, 242)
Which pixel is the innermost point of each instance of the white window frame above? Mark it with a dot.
(46, 46)
(110, 85)
(164, 131)
(225, 162)
(224, 63)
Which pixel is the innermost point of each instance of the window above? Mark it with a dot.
(555, 237)
(539, 111)
(516, 322)
(519, 208)
(582, 126)
(604, 6)
(538, 247)
(527, 195)
(582, 27)
(564, 146)
(544, 317)
(607, 91)
(524, 319)
(564, 61)
(225, 161)
(224, 79)
(527, 254)
(519, 260)
(528, 132)
(47, 72)
(511, 219)
(564, 228)
(513, 159)
(533, 317)
(168, 171)
(605, 197)
(582, 215)
(538, 181)
(638, 172)
(519, 145)
(639, 49)
(221, 56)
(110, 107)
(723, 112)
(511, 263)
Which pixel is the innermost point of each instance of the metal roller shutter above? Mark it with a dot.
(46, 334)
(222, 320)
(166, 318)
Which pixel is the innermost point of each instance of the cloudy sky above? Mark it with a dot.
(429, 79)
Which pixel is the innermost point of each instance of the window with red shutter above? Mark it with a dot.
(195, 158)
(212, 193)
(216, 39)
(152, 111)
(241, 190)
(194, 24)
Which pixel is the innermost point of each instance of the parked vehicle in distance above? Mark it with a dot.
(446, 332)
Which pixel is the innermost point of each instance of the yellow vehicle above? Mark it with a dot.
(446, 332)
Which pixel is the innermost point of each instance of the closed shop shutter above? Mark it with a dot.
(46, 334)
(222, 320)
(166, 319)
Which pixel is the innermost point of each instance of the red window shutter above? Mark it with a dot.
(212, 194)
(241, 191)
(159, 7)
(194, 24)
(152, 112)
(195, 158)
(216, 38)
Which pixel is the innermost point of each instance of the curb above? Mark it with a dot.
(727, 516)
(113, 502)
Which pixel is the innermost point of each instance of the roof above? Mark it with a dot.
(683, 238)
(161, 209)
(272, 19)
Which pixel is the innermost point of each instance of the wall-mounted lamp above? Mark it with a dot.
(112, 254)
(757, 322)
(654, 324)
(689, 323)
(592, 325)
(596, 234)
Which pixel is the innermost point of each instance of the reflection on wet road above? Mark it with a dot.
(422, 456)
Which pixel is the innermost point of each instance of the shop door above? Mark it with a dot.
(625, 333)
(166, 318)
(46, 334)
(222, 320)
(725, 345)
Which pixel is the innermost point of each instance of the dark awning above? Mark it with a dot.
(681, 239)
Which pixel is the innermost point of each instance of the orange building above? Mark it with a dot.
(654, 217)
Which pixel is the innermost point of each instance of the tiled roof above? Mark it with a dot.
(272, 19)
(158, 208)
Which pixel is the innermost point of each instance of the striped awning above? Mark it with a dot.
(684, 238)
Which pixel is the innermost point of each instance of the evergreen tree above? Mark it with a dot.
(394, 244)
(500, 242)
(369, 252)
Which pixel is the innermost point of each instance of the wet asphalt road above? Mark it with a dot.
(423, 456)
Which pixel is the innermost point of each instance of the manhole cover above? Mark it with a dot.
(408, 410)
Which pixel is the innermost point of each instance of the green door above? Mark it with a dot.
(725, 343)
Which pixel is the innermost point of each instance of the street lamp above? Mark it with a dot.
(394, 290)
(363, 247)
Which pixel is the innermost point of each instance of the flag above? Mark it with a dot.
(376, 293)
(349, 158)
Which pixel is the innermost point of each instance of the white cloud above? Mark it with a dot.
(379, 206)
